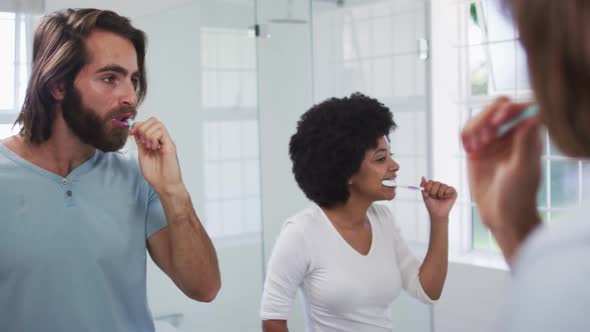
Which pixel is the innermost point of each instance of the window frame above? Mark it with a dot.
(470, 101)
(23, 36)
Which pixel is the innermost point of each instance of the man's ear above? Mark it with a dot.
(57, 90)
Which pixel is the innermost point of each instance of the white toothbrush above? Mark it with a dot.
(529, 112)
(392, 183)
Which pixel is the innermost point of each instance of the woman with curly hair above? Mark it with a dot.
(345, 252)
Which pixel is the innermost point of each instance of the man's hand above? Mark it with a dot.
(157, 156)
(183, 250)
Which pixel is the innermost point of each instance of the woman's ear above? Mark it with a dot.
(351, 180)
(57, 91)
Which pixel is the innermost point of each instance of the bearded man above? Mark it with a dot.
(78, 216)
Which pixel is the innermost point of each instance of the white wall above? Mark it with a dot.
(471, 298)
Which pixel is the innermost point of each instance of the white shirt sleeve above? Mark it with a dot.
(543, 301)
(408, 263)
(288, 265)
(548, 291)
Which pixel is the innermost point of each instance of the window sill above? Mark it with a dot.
(480, 259)
(474, 258)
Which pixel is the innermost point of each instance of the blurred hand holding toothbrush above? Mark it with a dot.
(503, 146)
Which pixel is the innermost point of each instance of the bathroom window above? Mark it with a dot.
(13, 68)
(228, 63)
(494, 64)
(15, 30)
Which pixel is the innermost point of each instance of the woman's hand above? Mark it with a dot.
(438, 198)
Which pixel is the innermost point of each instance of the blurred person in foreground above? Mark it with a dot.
(550, 264)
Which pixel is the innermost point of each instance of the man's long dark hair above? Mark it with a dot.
(59, 53)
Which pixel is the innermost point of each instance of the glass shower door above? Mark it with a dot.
(203, 85)
(380, 48)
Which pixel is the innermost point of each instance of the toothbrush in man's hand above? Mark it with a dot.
(130, 123)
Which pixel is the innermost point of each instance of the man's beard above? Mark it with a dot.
(86, 124)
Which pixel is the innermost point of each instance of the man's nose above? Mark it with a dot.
(129, 95)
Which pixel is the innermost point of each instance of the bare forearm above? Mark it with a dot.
(274, 326)
(511, 236)
(433, 271)
(194, 261)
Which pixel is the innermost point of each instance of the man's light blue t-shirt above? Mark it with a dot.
(73, 250)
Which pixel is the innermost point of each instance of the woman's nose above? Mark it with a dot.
(394, 166)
